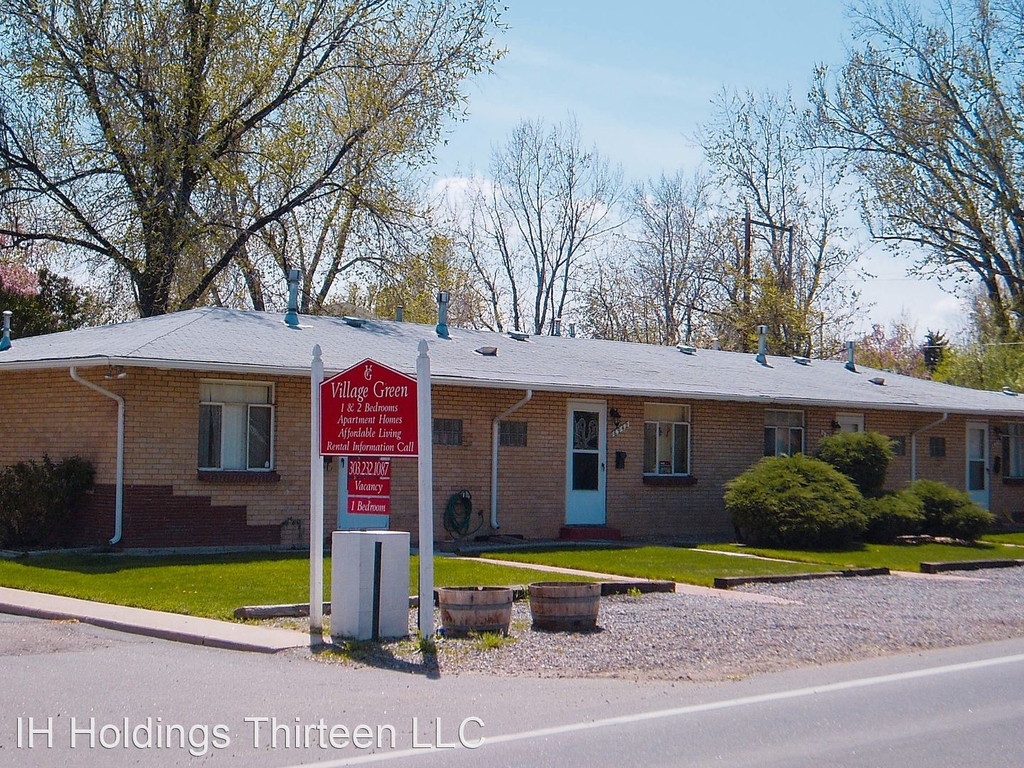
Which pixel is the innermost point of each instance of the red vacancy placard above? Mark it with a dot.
(369, 486)
(368, 410)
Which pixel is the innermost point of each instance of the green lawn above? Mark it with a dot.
(1005, 538)
(691, 566)
(215, 585)
(897, 557)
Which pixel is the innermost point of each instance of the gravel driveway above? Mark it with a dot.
(691, 637)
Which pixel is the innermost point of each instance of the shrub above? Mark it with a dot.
(862, 456)
(949, 512)
(37, 500)
(891, 515)
(795, 501)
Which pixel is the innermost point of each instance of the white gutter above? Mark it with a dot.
(913, 444)
(119, 492)
(495, 434)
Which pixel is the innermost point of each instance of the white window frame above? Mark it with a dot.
(788, 427)
(249, 407)
(672, 425)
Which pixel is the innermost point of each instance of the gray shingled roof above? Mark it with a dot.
(235, 341)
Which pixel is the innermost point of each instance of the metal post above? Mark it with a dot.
(316, 501)
(426, 492)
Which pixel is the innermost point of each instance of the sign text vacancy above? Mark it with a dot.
(368, 410)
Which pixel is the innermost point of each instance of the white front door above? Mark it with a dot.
(587, 423)
(850, 422)
(977, 462)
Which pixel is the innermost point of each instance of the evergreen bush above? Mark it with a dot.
(891, 515)
(37, 500)
(862, 456)
(795, 501)
(949, 512)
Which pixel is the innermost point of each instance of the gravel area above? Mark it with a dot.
(688, 637)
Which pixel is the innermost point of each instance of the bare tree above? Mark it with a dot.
(530, 228)
(655, 290)
(786, 255)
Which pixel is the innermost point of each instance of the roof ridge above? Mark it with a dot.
(200, 312)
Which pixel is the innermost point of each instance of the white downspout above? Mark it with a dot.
(119, 492)
(495, 433)
(913, 444)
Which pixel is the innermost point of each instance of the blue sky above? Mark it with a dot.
(639, 78)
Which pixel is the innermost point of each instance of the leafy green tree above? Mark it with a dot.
(414, 286)
(156, 140)
(928, 111)
(933, 349)
(43, 302)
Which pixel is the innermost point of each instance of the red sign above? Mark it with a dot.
(369, 486)
(368, 410)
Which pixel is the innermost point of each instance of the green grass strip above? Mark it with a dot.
(896, 557)
(687, 565)
(214, 585)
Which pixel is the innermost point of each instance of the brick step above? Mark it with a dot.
(589, 533)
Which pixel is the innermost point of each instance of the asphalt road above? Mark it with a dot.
(187, 705)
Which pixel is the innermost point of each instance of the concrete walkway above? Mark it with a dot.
(141, 621)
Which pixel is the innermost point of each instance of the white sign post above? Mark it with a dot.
(316, 502)
(426, 493)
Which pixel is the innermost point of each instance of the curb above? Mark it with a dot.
(969, 565)
(728, 582)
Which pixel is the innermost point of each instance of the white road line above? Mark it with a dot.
(680, 711)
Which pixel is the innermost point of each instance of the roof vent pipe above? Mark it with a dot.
(572, 330)
(762, 344)
(5, 342)
(291, 318)
(849, 357)
(716, 345)
(556, 327)
(399, 313)
(442, 314)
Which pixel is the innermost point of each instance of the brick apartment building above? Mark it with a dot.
(214, 405)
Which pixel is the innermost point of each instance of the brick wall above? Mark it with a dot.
(166, 503)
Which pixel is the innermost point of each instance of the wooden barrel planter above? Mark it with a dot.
(475, 609)
(565, 605)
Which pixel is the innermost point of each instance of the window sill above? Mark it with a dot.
(670, 480)
(1013, 481)
(237, 476)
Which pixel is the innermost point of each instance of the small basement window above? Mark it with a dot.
(512, 434)
(447, 432)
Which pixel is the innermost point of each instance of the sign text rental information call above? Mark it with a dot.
(368, 410)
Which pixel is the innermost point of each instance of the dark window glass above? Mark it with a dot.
(512, 434)
(584, 472)
(936, 447)
(260, 418)
(447, 431)
(209, 436)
